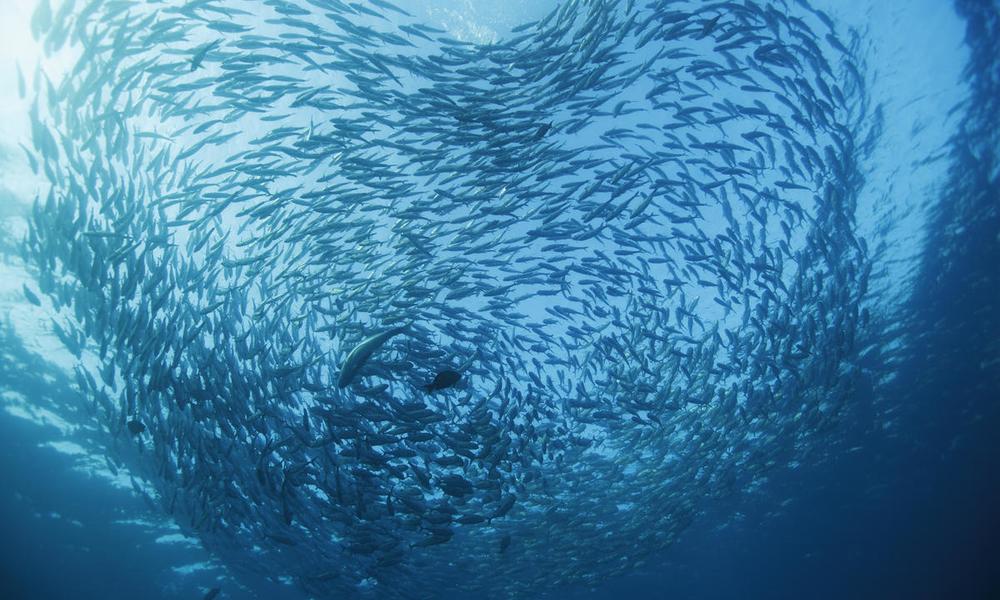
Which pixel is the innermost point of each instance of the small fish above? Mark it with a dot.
(136, 427)
(443, 380)
(200, 55)
(709, 26)
(31, 296)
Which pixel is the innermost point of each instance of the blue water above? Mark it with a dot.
(898, 501)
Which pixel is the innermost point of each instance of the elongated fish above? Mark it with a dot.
(362, 352)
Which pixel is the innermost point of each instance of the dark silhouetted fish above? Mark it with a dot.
(443, 380)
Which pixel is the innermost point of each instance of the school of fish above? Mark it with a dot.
(377, 311)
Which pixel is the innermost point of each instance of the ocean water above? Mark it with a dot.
(719, 282)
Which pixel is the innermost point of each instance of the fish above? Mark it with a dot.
(31, 296)
(360, 354)
(199, 56)
(442, 380)
(709, 26)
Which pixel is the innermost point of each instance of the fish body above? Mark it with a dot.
(443, 380)
(202, 52)
(357, 358)
(31, 296)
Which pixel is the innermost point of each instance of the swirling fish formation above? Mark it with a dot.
(378, 311)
